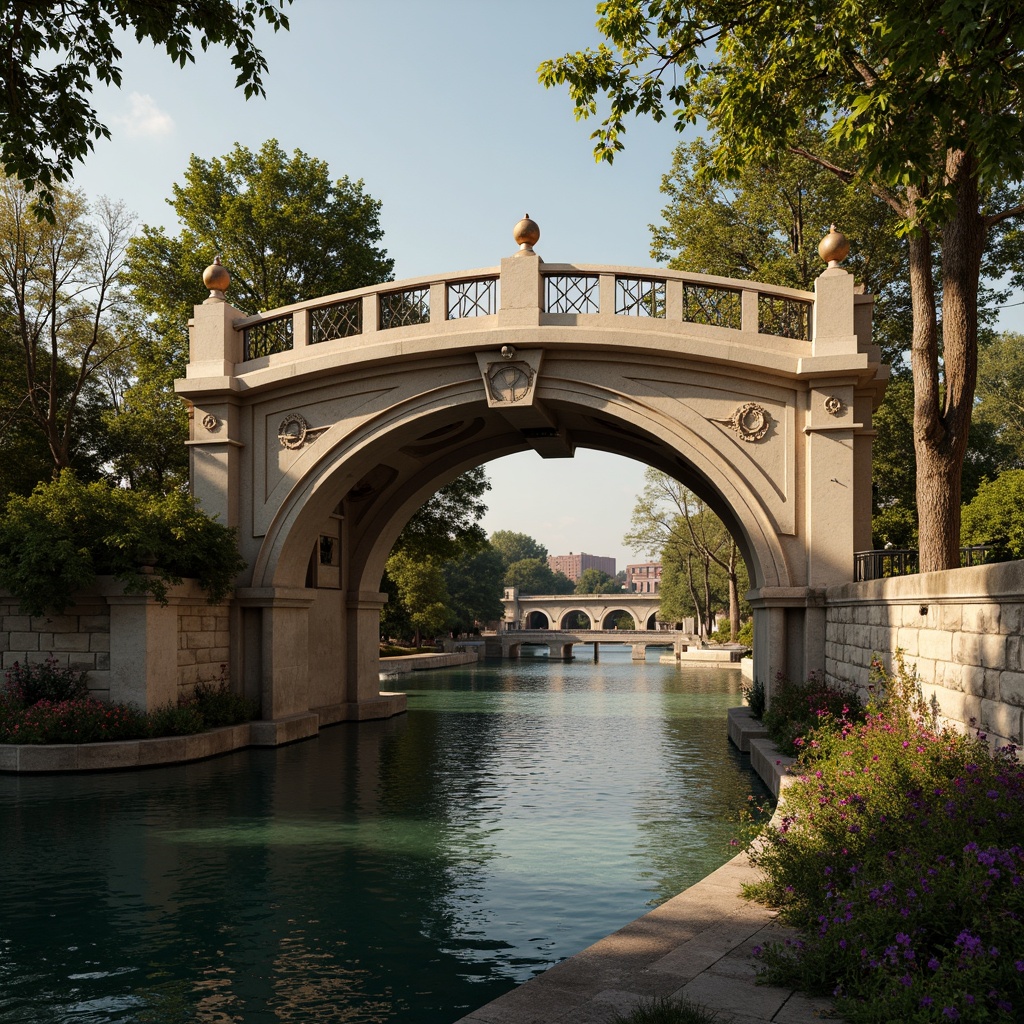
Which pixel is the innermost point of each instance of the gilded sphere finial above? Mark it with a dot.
(217, 279)
(834, 247)
(526, 233)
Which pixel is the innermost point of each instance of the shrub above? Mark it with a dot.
(65, 533)
(798, 709)
(175, 720)
(900, 856)
(755, 696)
(217, 705)
(29, 684)
(81, 720)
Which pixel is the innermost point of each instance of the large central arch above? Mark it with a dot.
(319, 429)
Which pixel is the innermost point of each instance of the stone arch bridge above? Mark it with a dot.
(319, 428)
(550, 611)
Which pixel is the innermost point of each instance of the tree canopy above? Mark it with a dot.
(918, 103)
(514, 547)
(52, 54)
(534, 576)
(594, 581)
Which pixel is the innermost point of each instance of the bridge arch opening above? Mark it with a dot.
(618, 618)
(332, 444)
(537, 620)
(576, 619)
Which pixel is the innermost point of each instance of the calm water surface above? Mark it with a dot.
(398, 871)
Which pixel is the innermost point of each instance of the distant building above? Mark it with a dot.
(643, 578)
(574, 566)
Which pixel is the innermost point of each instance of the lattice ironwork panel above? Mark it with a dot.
(473, 298)
(706, 304)
(269, 337)
(341, 320)
(639, 296)
(405, 308)
(787, 318)
(571, 293)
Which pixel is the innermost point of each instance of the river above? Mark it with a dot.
(399, 871)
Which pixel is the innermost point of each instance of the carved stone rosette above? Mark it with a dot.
(750, 421)
(833, 405)
(295, 431)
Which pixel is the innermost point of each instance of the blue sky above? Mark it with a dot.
(437, 107)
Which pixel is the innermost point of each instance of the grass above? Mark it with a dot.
(667, 1011)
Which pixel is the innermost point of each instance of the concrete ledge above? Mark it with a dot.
(744, 727)
(772, 766)
(279, 731)
(405, 663)
(384, 705)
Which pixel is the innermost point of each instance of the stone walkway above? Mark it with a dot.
(698, 945)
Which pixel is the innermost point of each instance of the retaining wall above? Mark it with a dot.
(962, 630)
(131, 647)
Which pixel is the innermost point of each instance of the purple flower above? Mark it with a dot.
(926, 1001)
(906, 981)
(951, 1012)
(757, 950)
(933, 965)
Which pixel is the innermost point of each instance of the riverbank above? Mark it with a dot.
(697, 946)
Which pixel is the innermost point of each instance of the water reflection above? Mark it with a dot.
(407, 870)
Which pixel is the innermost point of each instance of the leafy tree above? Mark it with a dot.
(701, 564)
(534, 576)
(474, 587)
(920, 104)
(59, 538)
(514, 547)
(51, 54)
(447, 525)
(894, 519)
(61, 300)
(286, 231)
(594, 581)
(422, 592)
(995, 515)
(766, 225)
(1001, 391)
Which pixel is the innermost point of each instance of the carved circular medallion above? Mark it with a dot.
(292, 431)
(833, 405)
(210, 422)
(751, 421)
(509, 383)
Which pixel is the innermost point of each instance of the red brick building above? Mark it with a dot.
(574, 566)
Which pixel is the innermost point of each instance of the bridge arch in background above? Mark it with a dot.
(319, 429)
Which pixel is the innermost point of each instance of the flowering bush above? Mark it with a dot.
(48, 681)
(49, 704)
(798, 709)
(900, 856)
(81, 720)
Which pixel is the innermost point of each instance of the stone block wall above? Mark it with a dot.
(961, 629)
(203, 643)
(131, 647)
(80, 637)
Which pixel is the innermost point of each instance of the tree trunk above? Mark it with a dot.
(942, 412)
(734, 595)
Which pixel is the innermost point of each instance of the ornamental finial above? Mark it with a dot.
(217, 279)
(526, 233)
(834, 247)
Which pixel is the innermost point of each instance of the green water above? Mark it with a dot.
(398, 871)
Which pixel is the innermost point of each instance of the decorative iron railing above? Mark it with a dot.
(640, 296)
(787, 318)
(567, 289)
(478, 297)
(342, 320)
(885, 562)
(269, 337)
(572, 293)
(709, 304)
(404, 308)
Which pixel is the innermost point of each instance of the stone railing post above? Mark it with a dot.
(522, 285)
(214, 349)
